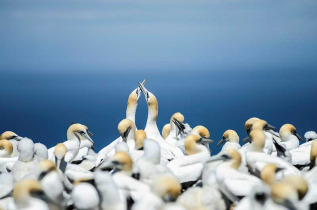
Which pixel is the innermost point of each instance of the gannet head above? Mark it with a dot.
(78, 131)
(120, 161)
(177, 120)
(9, 135)
(258, 140)
(262, 125)
(310, 135)
(288, 130)
(139, 137)
(135, 94)
(167, 187)
(125, 128)
(45, 167)
(166, 130)
(26, 150)
(284, 194)
(6, 148)
(60, 151)
(299, 183)
(85, 196)
(89, 133)
(313, 152)
(249, 123)
(25, 189)
(192, 141)
(268, 173)
(202, 131)
(230, 136)
(40, 151)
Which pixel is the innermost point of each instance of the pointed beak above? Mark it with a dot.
(125, 134)
(144, 91)
(17, 138)
(90, 133)
(204, 140)
(278, 169)
(179, 124)
(86, 136)
(218, 158)
(247, 139)
(138, 90)
(300, 138)
(273, 133)
(108, 165)
(223, 140)
(270, 127)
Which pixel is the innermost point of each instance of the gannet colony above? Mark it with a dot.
(145, 169)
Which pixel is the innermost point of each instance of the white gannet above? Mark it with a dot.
(138, 150)
(122, 164)
(230, 139)
(86, 147)
(130, 114)
(175, 121)
(164, 189)
(310, 136)
(189, 168)
(75, 134)
(85, 196)
(256, 159)
(40, 152)
(126, 129)
(199, 130)
(6, 185)
(289, 137)
(230, 179)
(168, 152)
(6, 159)
(166, 130)
(28, 195)
(109, 192)
(13, 138)
(25, 166)
(59, 153)
(51, 183)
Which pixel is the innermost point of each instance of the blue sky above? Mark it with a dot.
(219, 62)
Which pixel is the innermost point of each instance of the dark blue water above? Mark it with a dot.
(41, 106)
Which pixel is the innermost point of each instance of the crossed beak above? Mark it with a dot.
(144, 91)
(138, 90)
(179, 124)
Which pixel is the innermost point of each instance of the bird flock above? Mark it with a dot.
(144, 169)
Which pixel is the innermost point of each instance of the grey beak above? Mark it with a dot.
(139, 89)
(270, 127)
(218, 158)
(144, 91)
(273, 133)
(86, 136)
(18, 138)
(179, 124)
(223, 140)
(90, 133)
(247, 139)
(208, 141)
(125, 134)
(300, 138)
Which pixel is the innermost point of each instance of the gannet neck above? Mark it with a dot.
(132, 106)
(268, 174)
(6, 148)
(235, 158)
(166, 130)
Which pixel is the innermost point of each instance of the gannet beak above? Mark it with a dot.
(288, 204)
(90, 133)
(144, 91)
(247, 139)
(168, 198)
(126, 133)
(223, 140)
(86, 136)
(179, 124)
(108, 165)
(278, 169)
(300, 138)
(273, 133)
(138, 90)
(270, 127)
(204, 140)
(17, 138)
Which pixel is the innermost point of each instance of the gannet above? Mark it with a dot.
(168, 152)
(25, 166)
(40, 152)
(231, 141)
(59, 153)
(28, 195)
(130, 187)
(310, 136)
(289, 137)
(130, 114)
(85, 196)
(230, 180)
(6, 185)
(166, 130)
(109, 192)
(126, 129)
(13, 138)
(256, 159)
(6, 159)
(138, 151)
(51, 182)
(189, 168)
(175, 121)
(75, 134)
(165, 188)
(86, 147)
